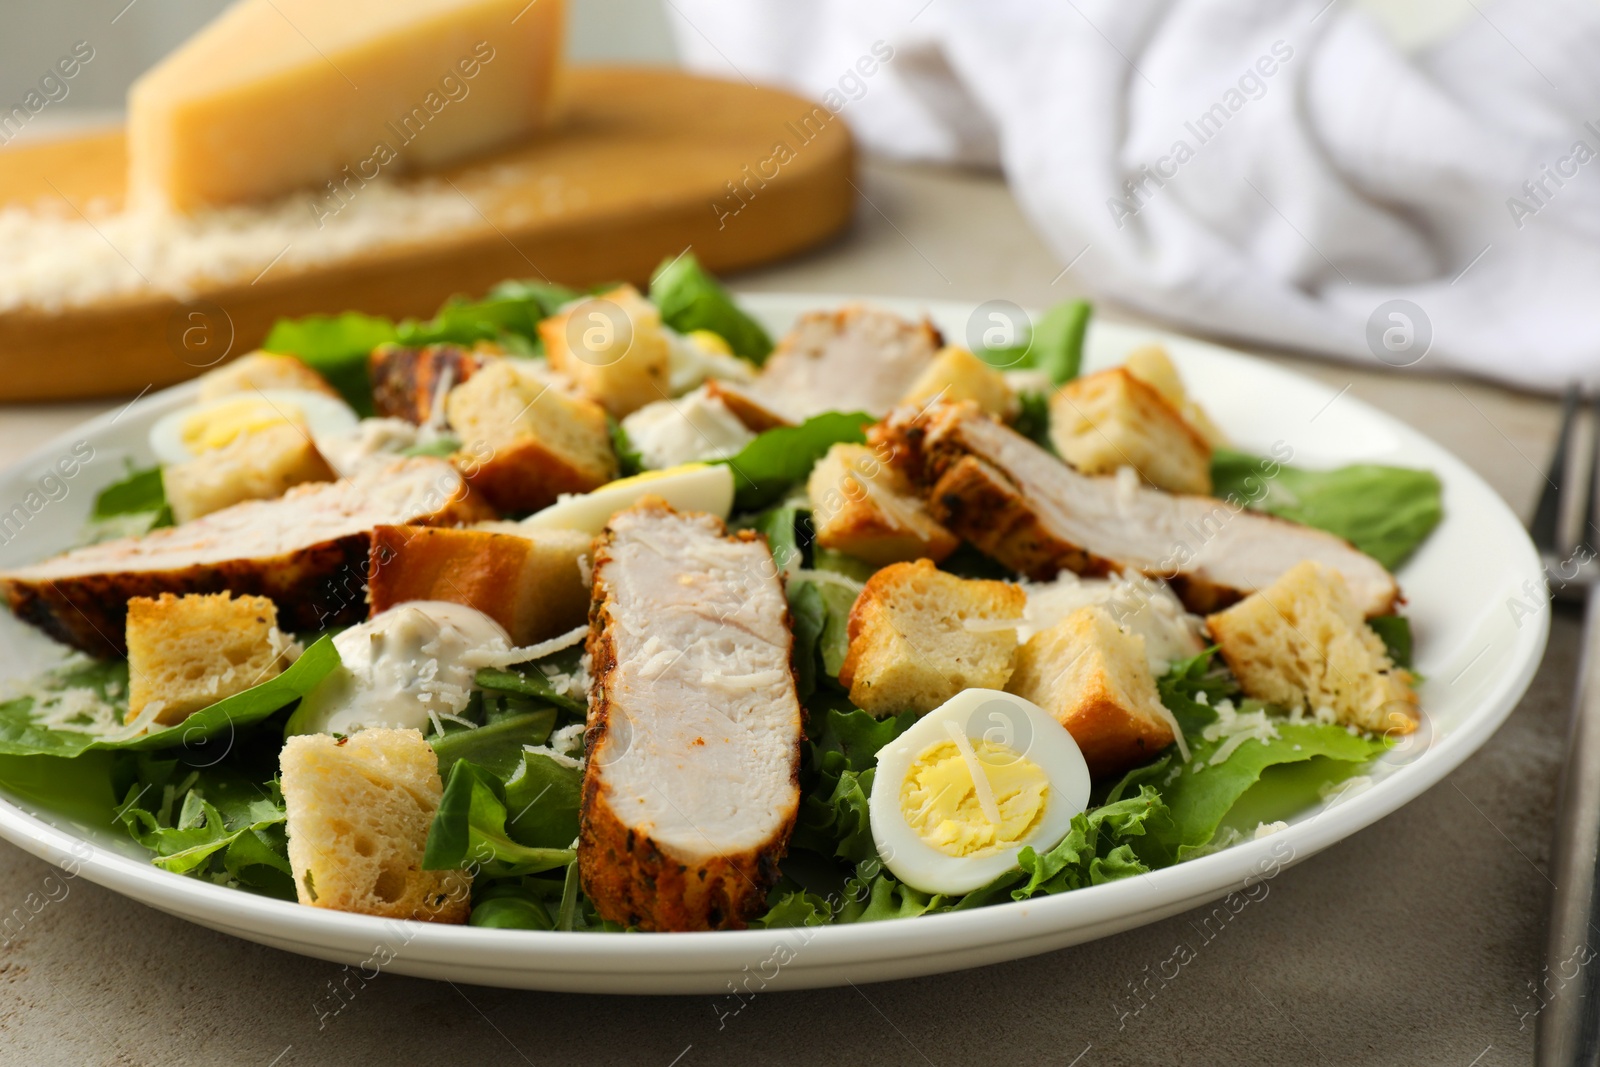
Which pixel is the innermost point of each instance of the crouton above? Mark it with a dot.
(260, 465)
(867, 509)
(1113, 419)
(188, 652)
(957, 374)
(1151, 365)
(529, 581)
(411, 383)
(262, 370)
(919, 636)
(1302, 643)
(613, 347)
(1094, 678)
(359, 809)
(525, 440)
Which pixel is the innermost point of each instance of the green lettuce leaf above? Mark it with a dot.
(1395, 633)
(140, 493)
(21, 735)
(1386, 512)
(223, 822)
(691, 299)
(1033, 419)
(533, 679)
(1098, 848)
(496, 746)
(1055, 346)
(471, 826)
(336, 347)
(629, 460)
(768, 467)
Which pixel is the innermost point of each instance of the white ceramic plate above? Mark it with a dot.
(1476, 650)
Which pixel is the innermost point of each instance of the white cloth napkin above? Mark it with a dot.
(1332, 176)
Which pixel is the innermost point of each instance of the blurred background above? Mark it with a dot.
(633, 31)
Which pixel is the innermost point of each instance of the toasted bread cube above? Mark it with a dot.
(957, 374)
(359, 809)
(613, 347)
(1113, 419)
(411, 383)
(262, 370)
(1151, 365)
(865, 508)
(918, 636)
(188, 652)
(529, 581)
(1302, 643)
(525, 439)
(260, 465)
(1094, 677)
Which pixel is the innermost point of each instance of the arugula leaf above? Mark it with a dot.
(543, 800)
(1055, 346)
(21, 735)
(766, 468)
(470, 826)
(496, 746)
(533, 679)
(1386, 512)
(217, 822)
(691, 299)
(336, 347)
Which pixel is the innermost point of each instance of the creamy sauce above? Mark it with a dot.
(402, 668)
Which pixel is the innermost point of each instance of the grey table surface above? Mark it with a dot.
(1417, 941)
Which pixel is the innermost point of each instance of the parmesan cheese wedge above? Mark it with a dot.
(277, 95)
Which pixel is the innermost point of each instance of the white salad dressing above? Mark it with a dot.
(401, 669)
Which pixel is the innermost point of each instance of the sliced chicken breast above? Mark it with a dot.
(1034, 513)
(307, 550)
(692, 782)
(858, 358)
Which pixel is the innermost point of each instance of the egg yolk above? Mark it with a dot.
(710, 341)
(650, 476)
(941, 802)
(218, 425)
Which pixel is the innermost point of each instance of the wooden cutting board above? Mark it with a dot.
(648, 164)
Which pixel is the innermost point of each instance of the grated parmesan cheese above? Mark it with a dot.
(57, 259)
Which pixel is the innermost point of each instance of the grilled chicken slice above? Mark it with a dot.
(858, 358)
(692, 782)
(307, 550)
(1037, 515)
(410, 383)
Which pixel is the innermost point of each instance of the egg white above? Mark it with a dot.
(693, 487)
(321, 414)
(984, 714)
